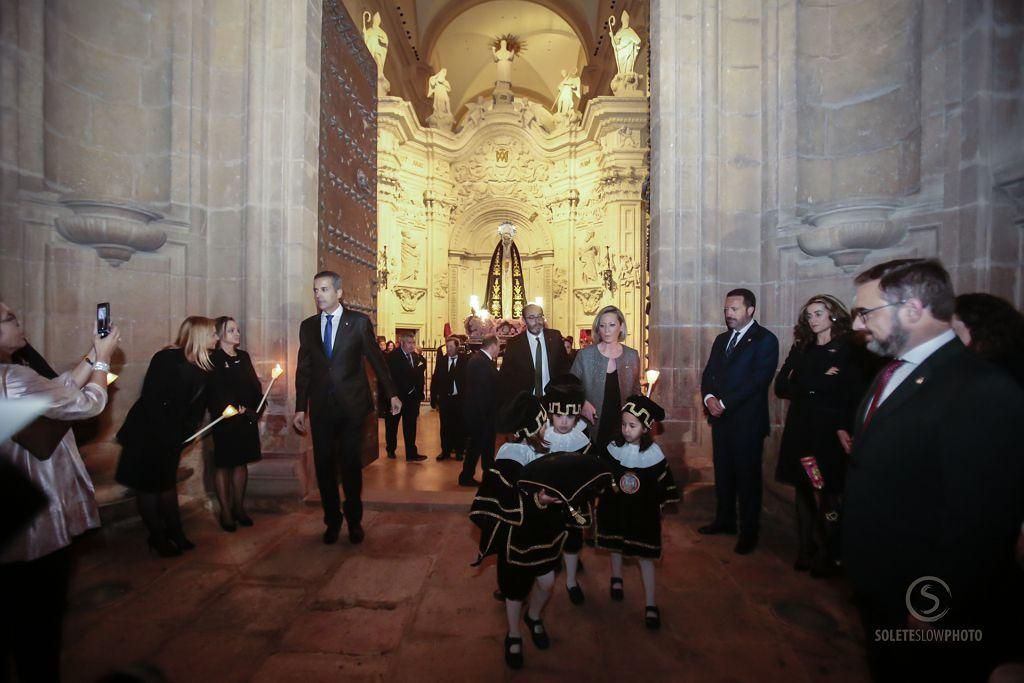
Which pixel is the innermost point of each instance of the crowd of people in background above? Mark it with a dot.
(899, 441)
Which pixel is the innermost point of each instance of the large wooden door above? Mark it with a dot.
(347, 214)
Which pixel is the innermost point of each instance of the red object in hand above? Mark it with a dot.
(810, 464)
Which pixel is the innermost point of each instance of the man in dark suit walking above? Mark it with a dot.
(934, 498)
(479, 409)
(331, 384)
(735, 390)
(446, 387)
(408, 370)
(532, 358)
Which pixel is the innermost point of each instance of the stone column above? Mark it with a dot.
(107, 108)
(683, 93)
(859, 123)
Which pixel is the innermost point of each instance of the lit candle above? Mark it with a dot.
(274, 374)
(652, 378)
(539, 301)
(229, 411)
(474, 302)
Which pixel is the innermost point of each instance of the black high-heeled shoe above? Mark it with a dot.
(538, 633)
(163, 547)
(513, 659)
(227, 526)
(243, 519)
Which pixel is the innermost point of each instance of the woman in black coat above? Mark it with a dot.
(818, 377)
(236, 442)
(168, 411)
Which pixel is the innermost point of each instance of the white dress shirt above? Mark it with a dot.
(452, 361)
(535, 339)
(336, 320)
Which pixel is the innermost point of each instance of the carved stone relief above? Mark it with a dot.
(589, 298)
(409, 297)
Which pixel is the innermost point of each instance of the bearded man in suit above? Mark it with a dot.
(735, 386)
(532, 357)
(331, 384)
(935, 487)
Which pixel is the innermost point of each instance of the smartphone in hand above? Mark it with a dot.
(103, 318)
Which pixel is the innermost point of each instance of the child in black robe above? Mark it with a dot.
(524, 531)
(566, 432)
(629, 519)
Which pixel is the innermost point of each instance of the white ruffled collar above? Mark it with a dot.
(573, 441)
(630, 455)
(520, 452)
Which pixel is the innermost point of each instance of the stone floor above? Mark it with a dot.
(272, 603)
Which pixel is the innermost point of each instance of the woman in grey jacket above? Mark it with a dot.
(609, 371)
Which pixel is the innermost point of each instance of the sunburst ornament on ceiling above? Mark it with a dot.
(513, 42)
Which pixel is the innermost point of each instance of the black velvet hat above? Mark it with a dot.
(644, 409)
(524, 415)
(573, 478)
(564, 396)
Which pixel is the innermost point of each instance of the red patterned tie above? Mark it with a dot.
(887, 374)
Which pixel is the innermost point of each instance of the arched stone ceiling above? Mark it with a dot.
(463, 47)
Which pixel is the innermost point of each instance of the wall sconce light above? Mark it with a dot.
(606, 275)
(382, 268)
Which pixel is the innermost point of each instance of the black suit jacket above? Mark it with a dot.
(479, 394)
(741, 380)
(343, 375)
(934, 485)
(441, 380)
(409, 381)
(517, 363)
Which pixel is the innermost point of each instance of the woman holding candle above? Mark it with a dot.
(236, 442)
(609, 371)
(817, 378)
(170, 406)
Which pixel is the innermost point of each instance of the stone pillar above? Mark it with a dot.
(859, 122)
(107, 107)
(684, 135)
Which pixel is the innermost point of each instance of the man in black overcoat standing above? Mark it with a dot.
(408, 370)
(479, 409)
(735, 386)
(331, 384)
(446, 389)
(933, 502)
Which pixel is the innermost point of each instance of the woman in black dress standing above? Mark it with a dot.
(236, 442)
(167, 412)
(817, 378)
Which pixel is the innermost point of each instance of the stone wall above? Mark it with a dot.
(796, 142)
(160, 156)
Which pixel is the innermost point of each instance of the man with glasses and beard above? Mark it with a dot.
(531, 358)
(934, 487)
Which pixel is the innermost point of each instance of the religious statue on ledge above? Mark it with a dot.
(565, 102)
(626, 44)
(503, 58)
(377, 43)
(504, 50)
(439, 88)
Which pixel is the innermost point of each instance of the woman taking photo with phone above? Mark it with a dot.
(153, 434)
(35, 565)
(236, 442)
